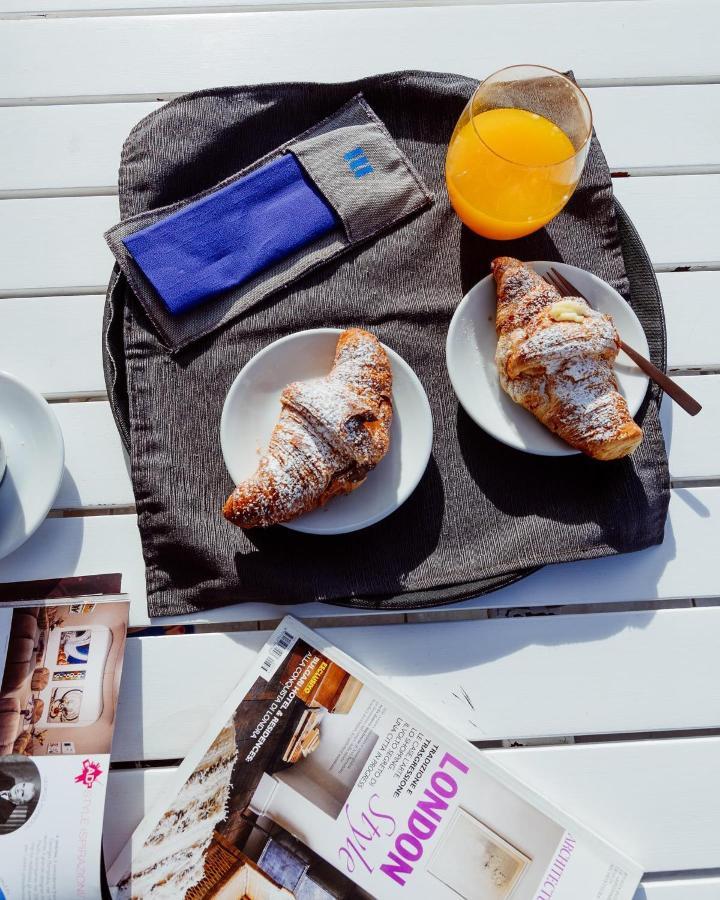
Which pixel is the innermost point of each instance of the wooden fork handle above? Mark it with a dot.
(671, 388)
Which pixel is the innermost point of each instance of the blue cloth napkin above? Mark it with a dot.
(232, 234)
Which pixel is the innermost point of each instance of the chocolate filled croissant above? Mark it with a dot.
(555, 357)
(330, 434)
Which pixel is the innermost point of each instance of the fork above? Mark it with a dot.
(671, 388)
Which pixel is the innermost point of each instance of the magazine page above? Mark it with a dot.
(61, 666)
(316, 781)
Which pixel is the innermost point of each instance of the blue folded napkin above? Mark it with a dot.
(232, 234)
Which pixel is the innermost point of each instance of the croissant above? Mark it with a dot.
(555, 357)
(330, 434)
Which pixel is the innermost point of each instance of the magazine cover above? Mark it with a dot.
(60, 665)
(316, 781)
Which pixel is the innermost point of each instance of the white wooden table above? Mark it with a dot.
(629, 674)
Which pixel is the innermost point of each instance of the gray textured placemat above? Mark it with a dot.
(484, 514)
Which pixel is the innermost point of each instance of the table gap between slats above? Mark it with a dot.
(112, 191)
(85, 147)
(675, 216)
(11, 9)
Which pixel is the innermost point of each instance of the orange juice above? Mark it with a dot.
(509, 171)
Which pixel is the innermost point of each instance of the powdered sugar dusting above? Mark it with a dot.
(331, 432)
(561, 371)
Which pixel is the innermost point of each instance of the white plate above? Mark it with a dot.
(251, 411)
(35, 456)
(470, 350)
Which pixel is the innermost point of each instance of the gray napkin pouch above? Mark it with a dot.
(358, 168)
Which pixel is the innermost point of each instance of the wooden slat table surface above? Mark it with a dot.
(605, 673)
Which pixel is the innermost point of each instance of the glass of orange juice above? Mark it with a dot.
(517, 151)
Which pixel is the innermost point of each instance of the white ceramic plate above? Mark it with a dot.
(35, 456)
(251, 411)
(470, 349)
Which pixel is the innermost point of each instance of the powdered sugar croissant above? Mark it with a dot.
(330, 434)
(555, 357)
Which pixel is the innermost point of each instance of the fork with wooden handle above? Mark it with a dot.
(671, 388)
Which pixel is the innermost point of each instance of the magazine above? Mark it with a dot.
(315, 780)
(60, 662)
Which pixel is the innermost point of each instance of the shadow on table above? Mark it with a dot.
(394, 546)
(49, 549)
(450, 646)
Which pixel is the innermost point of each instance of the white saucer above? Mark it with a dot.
(470, 351)
(251, 411)
(35, 456)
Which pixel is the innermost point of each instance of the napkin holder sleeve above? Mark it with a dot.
(357, 168)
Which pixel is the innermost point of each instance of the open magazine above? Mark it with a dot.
(314, 780)
(60, 662)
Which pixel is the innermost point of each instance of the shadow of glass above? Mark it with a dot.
(693, 501)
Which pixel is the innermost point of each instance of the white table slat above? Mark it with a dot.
(77, 146)
(485, 679)
(539, 676)
(132, 6)
(179, 53)
(130, 793)
(692, 441)
(664, 209)
(67, 147)
(158, 716)
(675, 215)
(96, 467)
(692, 318)
(56, 243)
(683, 566)
(53, 343)
(617, 112)
(657, 800)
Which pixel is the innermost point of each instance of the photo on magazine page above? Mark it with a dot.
(305, 789)
(238, 825)
(61, 678)
(20, 786)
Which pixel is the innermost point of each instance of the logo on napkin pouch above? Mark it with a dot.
(91, 771)
(358, 162)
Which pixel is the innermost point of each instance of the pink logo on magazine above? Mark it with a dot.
(91, 771)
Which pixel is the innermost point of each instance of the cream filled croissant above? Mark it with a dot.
(330, 434)
(555, 357)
